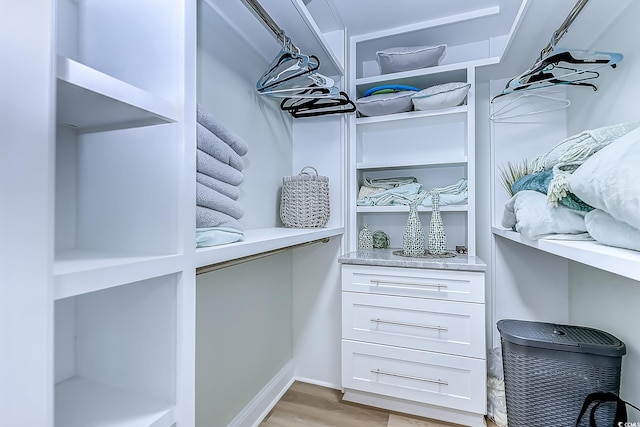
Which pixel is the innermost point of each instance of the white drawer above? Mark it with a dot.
(415, 282)
(434, 325)
(450, 381)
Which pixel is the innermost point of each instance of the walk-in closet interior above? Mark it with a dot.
(128, 125)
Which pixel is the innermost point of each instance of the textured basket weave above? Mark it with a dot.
(304, 202)
(548, 373)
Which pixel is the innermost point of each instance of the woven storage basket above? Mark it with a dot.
(304, 202)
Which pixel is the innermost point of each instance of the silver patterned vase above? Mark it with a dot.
(413, 237)
(365, 238)
(437, 239)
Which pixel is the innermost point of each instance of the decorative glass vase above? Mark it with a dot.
(437, 244)
(365, 238)
(413, 237)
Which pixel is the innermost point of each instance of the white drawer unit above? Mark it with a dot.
(438, 379)
(415, 282)
(413, 339)
(441, 326)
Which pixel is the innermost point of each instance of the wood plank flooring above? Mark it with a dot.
(307, 405)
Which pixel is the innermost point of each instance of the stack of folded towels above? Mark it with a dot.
(219, 173)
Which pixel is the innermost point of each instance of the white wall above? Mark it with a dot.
(599, 299)
(243, 313)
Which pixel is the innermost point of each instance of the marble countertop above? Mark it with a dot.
(386, 258)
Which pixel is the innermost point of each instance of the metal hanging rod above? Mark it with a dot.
(232, 262)
(268, 22)
(564, 27)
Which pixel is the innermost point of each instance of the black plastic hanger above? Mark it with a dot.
(303, 107)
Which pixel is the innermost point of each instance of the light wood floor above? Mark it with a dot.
(306, 405)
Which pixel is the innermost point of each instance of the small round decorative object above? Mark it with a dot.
(365, 238)
(380, 239)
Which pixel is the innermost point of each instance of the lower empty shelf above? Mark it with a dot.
(83, 403)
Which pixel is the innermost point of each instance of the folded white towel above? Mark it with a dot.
(207, 120)
(214, 146)
(228, 190)
(206, 217)
(211, 199)
(214, 168)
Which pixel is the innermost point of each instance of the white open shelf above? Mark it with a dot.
(83, 403)
(263, 240)
(82, 271)
(90, 100)
(397, 165)
(401, 208)
(461, 109)
(615, 260)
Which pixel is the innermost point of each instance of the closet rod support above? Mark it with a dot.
(564, 27)
(213, 267)
(256, 8)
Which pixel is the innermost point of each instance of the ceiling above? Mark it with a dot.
(368, 16)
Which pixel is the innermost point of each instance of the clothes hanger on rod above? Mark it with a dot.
(297, 88)
(510, 109)
(301, 107)
(288, 64)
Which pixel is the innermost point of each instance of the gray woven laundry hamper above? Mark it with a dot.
(549, 369)
(304, 201)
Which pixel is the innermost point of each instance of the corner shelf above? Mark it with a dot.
(83, 403)
(89, 100)
(263, 240)
(623, 262)
(402, 208)
(398, 165)
(462, 109)
(79, 272)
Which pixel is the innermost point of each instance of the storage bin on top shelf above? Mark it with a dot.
(392, 99)
(399, 59)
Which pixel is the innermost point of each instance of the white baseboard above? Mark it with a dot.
(253, 414)
(319, 383)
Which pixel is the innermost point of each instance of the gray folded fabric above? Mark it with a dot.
(211, 199)
(214, 146)
(206, 217)
(214, 168)
(228, 190)
(207, 120)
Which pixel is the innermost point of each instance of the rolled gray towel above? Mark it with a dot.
(214, 146)
(207, 120)
(206, 217)
(214, 168)
(228, 190)
(211, 199)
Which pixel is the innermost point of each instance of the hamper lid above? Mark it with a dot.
(578, 339)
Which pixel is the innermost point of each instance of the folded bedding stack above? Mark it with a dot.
(219, 173)
(404, 190)
(586, 189)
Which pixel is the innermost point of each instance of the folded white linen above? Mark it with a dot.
(214, 168)
(228, 190)
(206, 217)
(531, 215)
(207, 120)
(214, 146)
(211, 199)
(609, 231)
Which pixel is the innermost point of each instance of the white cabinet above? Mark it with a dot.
(413, 339)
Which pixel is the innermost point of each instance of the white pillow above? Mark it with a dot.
(441, 96)
(611, 232)
(385, 103)
(398, 59)
(608, 180)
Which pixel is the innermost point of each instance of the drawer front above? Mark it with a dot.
(450, 285)
(434, 325)
(444, 380)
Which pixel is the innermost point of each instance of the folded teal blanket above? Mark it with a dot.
(207, 120)
(214, 168)
(540, 182)
(214, 146)
(215, 236)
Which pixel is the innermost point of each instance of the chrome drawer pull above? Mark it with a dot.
(409, 377)
(379, 282)
(412, 325)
